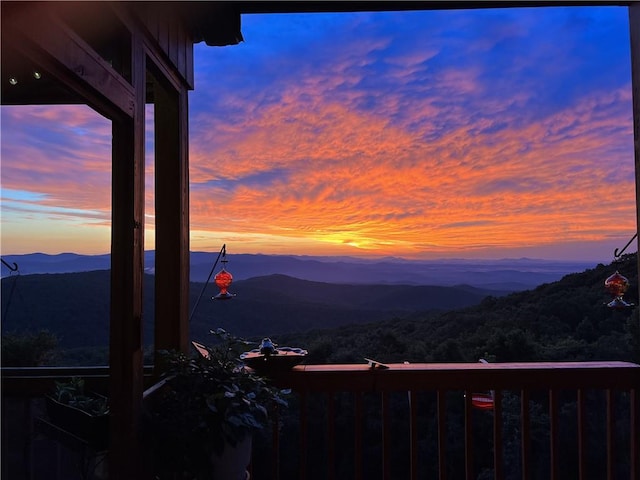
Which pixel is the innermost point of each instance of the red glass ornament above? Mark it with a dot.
(223, 280)
(616, 284)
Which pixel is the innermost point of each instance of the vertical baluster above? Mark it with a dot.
(468, 435)
(525, 422)
(275, 455)
(58, 461)
(358, 436)
(634, 432)
(29, 415)
(386, 437)
(553, 435)
(497, 435)
(331, 436)
(611, 420)
(582, 436)
(303, 435)
(442, 435)
(413, 433)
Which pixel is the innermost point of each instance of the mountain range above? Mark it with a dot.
(504, 274)
(75, 306)
(562, 320)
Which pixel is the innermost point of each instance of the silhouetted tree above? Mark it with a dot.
(28, 349)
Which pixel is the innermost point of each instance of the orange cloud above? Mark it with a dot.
(334, 175)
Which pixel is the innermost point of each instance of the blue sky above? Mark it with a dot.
(430, 134)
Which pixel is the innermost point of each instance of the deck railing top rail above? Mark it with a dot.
(459, 376)
(390, 377)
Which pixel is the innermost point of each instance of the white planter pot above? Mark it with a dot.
(232, 463)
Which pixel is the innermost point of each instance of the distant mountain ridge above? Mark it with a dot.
(75, 306)
(430, 322)
(567, 320)
(504, 274)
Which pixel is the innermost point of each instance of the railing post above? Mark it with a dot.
(582, 433)
(442, 435)
(358, 435)
(413, 435)
(468, 435)
(303, 435)
(497, 435)
(634, 406)
(525, 438)
(553, 435)
(275, 460)
(611, 419)
(386, 437)
(331, 435)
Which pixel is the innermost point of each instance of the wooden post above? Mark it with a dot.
(634, 33)
(172, 217)
(127, 267)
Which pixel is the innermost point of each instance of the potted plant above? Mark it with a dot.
(201, 420)
(83, 414)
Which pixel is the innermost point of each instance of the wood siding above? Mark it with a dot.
(165, 26)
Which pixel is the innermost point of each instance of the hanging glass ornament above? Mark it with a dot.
(617, 285)
(223, 280)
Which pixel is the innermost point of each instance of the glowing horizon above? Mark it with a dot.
(470, 134)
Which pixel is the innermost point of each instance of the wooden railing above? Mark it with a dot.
(413, 421)
(31, 452)
(426, 425)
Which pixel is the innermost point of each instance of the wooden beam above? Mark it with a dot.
(38, 33)
(127, 269)
(172, 217)
(155, 14)
(634, 34)
(309, 6)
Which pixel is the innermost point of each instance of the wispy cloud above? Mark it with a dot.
(62, 153)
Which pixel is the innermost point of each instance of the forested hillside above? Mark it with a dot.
(559, 321)
(74, 308)
(563, 320)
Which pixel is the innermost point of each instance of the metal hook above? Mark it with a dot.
(13, 268)
(617, 254)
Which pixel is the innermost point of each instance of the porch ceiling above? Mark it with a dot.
(29, 90)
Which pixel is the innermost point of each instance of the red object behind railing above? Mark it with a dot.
(482, 401)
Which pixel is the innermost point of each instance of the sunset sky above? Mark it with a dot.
(437, 134)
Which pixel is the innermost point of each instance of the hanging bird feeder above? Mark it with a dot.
(223, 280)
(617, 284)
